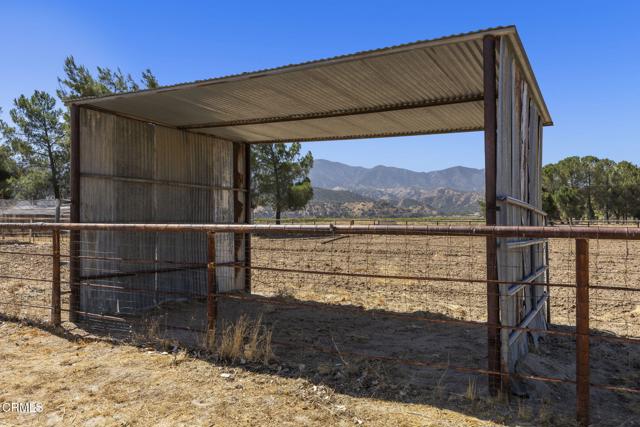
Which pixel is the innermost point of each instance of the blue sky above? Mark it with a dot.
(586, 56)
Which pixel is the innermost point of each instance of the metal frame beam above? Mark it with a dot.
(338, 113)
(366, 136)
(247, 217)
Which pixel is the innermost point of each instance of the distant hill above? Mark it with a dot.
(323, 195)
(335, 175)
(342, 190)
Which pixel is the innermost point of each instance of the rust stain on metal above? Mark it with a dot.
(582, 332)
(55, 285)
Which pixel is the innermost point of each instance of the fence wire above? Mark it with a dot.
(411, 307)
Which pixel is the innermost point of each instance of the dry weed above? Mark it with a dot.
(284, 293)
(524, 410)
(438, 391)
(544, 413)
(472, 389)
(245, 341)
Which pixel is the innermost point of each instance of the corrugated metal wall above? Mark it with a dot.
(135, 172)
(519, 169)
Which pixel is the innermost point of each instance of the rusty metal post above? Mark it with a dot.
(55, 282)
(247, 217)
(238, 207)
(74, 236)
(582, 331)
(212, 288)
(490, 137)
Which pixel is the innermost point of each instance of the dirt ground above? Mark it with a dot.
(107, 384)
(98, 384)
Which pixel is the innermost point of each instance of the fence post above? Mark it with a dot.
(582, 331)
(55, 283)
(494, 360)
(212, 288)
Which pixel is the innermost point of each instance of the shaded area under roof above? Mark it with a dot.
(426, 87)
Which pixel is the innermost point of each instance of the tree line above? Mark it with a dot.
(591, 188)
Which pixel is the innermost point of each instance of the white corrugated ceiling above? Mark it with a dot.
(426, 87)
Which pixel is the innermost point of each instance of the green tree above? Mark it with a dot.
(602, 188)
(78, 82)
(8, 167)
(569, 181)
(625, 190)
(588, 166)
(590, 187)
(280, 175)
(32, 184)
(38, 140)
(8, 171)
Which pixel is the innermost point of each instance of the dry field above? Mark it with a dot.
(87, 382)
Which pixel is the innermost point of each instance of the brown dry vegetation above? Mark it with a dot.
(98, 383)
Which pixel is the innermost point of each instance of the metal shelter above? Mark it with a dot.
(180, 154)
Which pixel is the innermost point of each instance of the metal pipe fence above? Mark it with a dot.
(411, 296)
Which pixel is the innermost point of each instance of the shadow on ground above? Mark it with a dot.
(392, 356)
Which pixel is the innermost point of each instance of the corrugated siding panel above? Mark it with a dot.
(182, 178)
(519, 164)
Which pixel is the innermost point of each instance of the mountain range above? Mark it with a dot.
(342, 190)
(335, 175)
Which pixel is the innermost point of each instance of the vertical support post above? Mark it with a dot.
(490, 137)
(74, 237)
(247, 217)
(212, 288)
(548, 280)
(582, 332)
(238, 207)
(55, 282)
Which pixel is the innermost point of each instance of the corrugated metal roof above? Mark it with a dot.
(431, 86)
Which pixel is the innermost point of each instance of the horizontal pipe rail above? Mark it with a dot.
(527, 280)
(519, 244)
(568, 232)
(521, 204)
(159, 182)
(513, 336)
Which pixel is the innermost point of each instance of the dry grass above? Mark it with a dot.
(472, 389)
(99, 384)
(245, 341)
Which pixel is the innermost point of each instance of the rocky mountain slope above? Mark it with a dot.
(342, 190)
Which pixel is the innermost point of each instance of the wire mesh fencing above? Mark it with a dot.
(385, 310)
